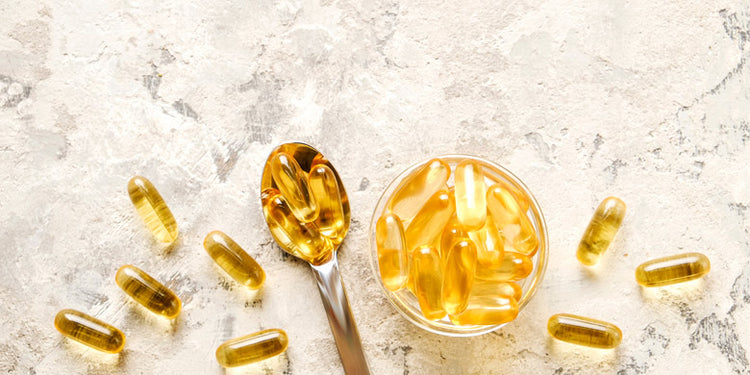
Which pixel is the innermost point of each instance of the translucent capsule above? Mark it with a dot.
(672, 269)
(482, 288)
(411, 194)
(584, 331)
(511, 219)
(234, 260)
(325, 189)
(487, 310)
(515, 267)
(393, 258)
(520, 197)
(452, 233)
(301, 239)
(428, 281)
(291, 181)
(601, 230)
(147, 291)
(252, 348)
(152, 209)
(471, 204)
(458, 276)
(89, 331)
(429, 223)
(490, 244)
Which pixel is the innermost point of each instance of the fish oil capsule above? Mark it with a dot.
(393, 258)
(252, 348)
(511, 218)
(152, 209)
(303, 239)
(515, 267)
(520, 197)
(452, 233)
(428, 281)
(89, 331)
(601, 230)
(672, 269)
(490, 244)
(234, 260)
(487, 310)
(458, 276)
(471, 204)
(495, 288)
(325, 189)
(429, 223)
(147, 291)
(411, 194)
(291, 181)
(584, 331)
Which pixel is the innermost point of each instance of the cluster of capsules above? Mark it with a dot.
(462, 250)
(597, 237)
(159, 299)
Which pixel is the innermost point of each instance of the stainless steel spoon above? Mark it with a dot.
(320, 254)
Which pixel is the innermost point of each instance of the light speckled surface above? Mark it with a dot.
(645, 100)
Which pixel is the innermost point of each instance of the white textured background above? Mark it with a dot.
(645, 100)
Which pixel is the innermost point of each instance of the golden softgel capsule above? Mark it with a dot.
(584, 331)
(471, 204)
(452, 233)
(672, 269)
(490, 244)
(89, 331)
(414, 190)
(291, 181)
(325, 188)
(431, 220)
(393, 258)
(487, 310)
(234, 260)
(147, 291)
(601, 230)
(510, 218)
(515, 266)
(252, 348)
(482, 288)
(152, 209)
(428, 281)
(458, 276)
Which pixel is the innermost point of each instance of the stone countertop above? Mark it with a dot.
(648, 101)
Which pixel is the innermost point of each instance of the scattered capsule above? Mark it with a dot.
(234, 260)
(292, 183)
(515, 267)
(487, 310)
(584, 331)
(325, 189)
(252, 348)
(147, 291)
(490, 244)
(89, 331)
(452, 233)
(672, 269)
(414, 190)
(482, 288)
(152, 209)
(429, 223)
(393, 258)
(304, 240)
(428, 281)
(458, 276)
(601, 230)
(511, 219)
(471, 204)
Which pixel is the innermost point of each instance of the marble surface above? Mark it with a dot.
(645, 100)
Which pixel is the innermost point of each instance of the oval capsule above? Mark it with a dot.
(471, 204)
(292, 182)
(147, 291)
(429, 223)
(579, 330)
(393, 258)
(515, 267)
(494, 288)
(428, 281)
(89, 331)
(601, 230)
(325, 188)
(487, 310)
(510, 218)
(413, 191)
(234, 260)
(458, 276)
(672, 269)
(452, 233)
(252, 348)
(152, 209)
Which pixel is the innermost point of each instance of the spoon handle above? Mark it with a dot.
(340, 317)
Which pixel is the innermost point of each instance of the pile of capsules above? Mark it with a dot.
(156, 297)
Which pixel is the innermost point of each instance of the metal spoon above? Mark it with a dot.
(322, 258)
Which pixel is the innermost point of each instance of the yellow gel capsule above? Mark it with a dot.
(515, 267)
(482, 288)
(452, 233)
(490, 244)
(521, 198)
(429, 223)
(152, 209)
(428, 281)
(147, 291)
(291, 181)
(471, 204)
(393, 258)
(672, 269)
(234, 260)
(252, 348)
(584, 331)
(511, 219)
(601, 230)
(325, 189)
(302, 239)
(411, 194)
(89, 331)
(487, 310)
(458, 276)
